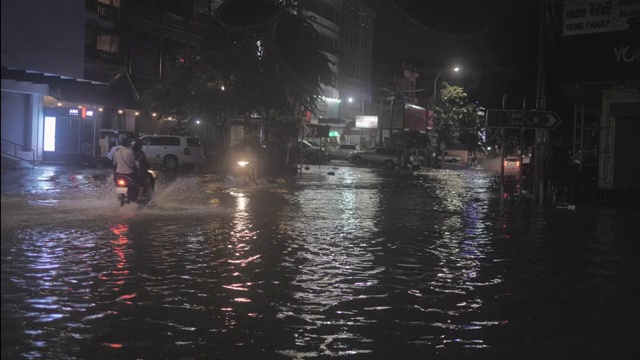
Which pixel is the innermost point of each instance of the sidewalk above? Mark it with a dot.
(20, 176)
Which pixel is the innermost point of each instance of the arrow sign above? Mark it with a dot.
(523, 119)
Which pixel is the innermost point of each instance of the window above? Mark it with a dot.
(165, 141)
(383, 151)
(114, 3)
(193, 142)
(108, 42)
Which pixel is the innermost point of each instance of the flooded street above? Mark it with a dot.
(363, 264)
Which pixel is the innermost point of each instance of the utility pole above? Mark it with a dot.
(380, 122)
(393, 102)
(542, 135)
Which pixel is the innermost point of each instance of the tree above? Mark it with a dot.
(409, 141)
(261, 57)
(453, 114)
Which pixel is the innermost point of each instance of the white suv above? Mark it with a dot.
(172, 151)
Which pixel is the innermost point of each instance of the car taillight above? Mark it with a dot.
(121, 183)
(517, 163)
(187, 151)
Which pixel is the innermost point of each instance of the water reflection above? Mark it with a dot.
(54, 279)
(238, 274)
(335, 276)
(363, 264)
(114, 279)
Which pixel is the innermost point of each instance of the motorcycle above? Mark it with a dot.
(247, 169)
(128, 189)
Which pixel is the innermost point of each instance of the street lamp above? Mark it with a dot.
(435, 82)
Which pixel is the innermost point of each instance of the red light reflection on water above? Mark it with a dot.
(120, 245)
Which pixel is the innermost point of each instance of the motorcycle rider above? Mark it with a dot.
(143, 165)
(125, 164)
(248, 153)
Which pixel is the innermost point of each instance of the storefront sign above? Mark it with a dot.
(597, 16)
(367, 122)
(415, 118)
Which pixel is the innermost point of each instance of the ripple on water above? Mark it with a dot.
(365, 263)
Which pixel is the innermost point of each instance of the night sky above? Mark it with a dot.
(440, 31)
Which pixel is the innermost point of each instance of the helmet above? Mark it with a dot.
(125, 141)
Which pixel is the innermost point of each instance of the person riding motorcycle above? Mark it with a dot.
(143, 165)
(245, 152)
(125, 164)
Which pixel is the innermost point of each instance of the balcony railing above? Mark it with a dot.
(103, 10)
(182, 20)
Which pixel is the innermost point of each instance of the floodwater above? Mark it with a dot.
(363, 264)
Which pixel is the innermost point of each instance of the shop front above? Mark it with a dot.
(69, 135)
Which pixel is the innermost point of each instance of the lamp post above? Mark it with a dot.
(435, 81)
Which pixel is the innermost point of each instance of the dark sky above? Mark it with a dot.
(441, 31)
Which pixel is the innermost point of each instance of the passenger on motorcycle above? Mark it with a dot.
(143, 165)
(125, 164)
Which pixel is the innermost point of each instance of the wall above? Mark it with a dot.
(15, 108)
(46, 36)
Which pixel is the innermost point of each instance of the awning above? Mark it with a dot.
(60, 87)
(119, 92)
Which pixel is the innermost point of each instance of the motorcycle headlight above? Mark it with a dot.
(243, 163)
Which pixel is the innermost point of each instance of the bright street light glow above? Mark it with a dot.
(435, 81)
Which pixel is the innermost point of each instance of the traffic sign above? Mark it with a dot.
(523, 119)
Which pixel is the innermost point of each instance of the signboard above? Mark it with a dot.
(367, 122)
(522, 119)
(596, 16)
(415, 118)
(315, 131)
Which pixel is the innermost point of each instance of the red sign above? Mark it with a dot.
(415, 118)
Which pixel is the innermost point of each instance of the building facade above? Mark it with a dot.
(346, 29)
(600, 63)
(70, 69)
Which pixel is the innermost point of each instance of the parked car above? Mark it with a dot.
(451, 158)
(110, 138)
(387, 157)
(341, 151)
(172, 151)
(310, 152)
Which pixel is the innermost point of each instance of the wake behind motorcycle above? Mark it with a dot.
(128, 189)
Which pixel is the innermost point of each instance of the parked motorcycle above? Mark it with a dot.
(128, 189)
